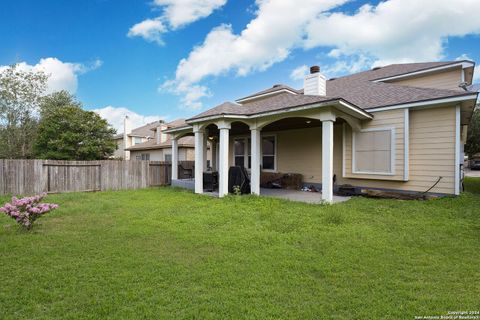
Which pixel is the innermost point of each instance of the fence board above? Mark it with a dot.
(22, 177)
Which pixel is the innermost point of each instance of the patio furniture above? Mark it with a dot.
(238, 176)
(210, 181)
(185, 173)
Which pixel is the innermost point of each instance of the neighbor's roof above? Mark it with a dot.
(143, 131)
(185, 142)
(360, 90)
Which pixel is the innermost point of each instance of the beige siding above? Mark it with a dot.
(444, 80)
(386, 119)
(159, 154)
(155, 155)
(432, 153)
(119, 153)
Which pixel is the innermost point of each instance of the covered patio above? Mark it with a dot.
(220, 133)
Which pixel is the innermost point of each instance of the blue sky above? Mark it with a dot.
(127, 54)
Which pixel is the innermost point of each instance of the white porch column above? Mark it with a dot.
(255, 154)
(174, 158)
(224, 128)
(327, 160)
(199, 145)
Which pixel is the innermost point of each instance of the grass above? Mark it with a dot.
(169, 254)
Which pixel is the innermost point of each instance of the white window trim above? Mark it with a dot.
(245, 138)
(392, 152)
(245, 150)
(274, 154)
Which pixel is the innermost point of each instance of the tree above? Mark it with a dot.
(20, 95)
(473, 136)
(67, 132)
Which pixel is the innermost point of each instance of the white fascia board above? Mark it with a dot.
(264, 95)
(179, 129)
(356, 109)
(463, 64)
(425, 103)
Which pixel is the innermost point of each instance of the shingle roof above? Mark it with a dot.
(187, 141)
(276, 87)
(358, 89)
(143, 131)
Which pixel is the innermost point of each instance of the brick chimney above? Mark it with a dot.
(315, 83)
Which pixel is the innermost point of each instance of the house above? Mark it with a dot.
(150, 142)
(400, 127)
(160, 147)
(131, 137)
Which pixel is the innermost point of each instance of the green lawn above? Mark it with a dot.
(169, 254)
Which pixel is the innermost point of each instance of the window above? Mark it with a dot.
(241, 151)
(373, 151)
(145, 156)
(268, 153)
(168, 157)
(137, 140)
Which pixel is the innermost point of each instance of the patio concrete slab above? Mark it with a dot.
(296, 195)
(293, 195)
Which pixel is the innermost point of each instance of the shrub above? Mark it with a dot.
(26, 210)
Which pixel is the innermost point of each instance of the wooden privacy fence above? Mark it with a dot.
(24, 177)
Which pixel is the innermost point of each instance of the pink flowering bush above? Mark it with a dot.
(26, 210)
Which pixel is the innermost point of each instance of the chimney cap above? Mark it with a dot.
(314, 69)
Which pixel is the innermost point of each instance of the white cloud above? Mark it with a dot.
(266, 40)
(182, 12)
(62, 75)
(175, 14)
(393, 31)
(299, 73)
(190, 94)
(115, 117)
(354, 63)
(150, 29)
(396, 30)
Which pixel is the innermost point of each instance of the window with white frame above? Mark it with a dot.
(241, 152)
(269, 150)
(373, 151)
(168, 157)
(145, 156)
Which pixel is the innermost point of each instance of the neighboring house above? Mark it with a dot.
(131, 137)
(160, 147)
(400, 127)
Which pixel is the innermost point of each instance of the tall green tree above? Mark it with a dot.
(21, 93)
(67, 132)
(473, 136)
